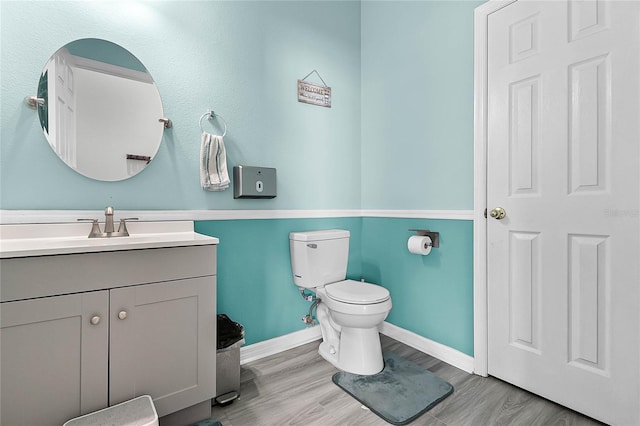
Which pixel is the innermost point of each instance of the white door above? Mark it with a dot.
(562, 161)
(62, 128)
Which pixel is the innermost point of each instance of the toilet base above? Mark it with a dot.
(360, 351)
(325, 352)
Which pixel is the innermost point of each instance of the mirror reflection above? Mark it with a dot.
(101, 110)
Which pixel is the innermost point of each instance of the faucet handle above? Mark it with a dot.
(122, 228)
(95, 228)
(94, 221)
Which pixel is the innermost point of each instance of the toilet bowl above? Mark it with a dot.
(356, 321)
(349, 311)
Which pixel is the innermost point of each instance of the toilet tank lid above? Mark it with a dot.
(325, 234)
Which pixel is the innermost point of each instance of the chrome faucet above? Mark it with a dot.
(109, 230)
(108, 220)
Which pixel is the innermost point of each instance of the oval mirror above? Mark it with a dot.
(101, 110)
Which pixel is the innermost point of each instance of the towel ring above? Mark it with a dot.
(211, 115)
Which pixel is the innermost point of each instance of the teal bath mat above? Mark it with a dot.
(208, 422)
(400, 393)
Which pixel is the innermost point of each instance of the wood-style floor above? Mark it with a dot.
(295, 388)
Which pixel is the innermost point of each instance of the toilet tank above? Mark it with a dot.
(319, 257)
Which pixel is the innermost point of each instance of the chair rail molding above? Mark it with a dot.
(62, 216)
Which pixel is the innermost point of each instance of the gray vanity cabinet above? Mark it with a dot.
(84, 331)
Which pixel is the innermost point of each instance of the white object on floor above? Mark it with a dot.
(139, 411)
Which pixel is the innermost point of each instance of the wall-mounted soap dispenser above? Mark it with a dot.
(254, 182)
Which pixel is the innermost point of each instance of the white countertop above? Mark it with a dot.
(26, 240)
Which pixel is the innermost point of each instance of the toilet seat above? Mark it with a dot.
(356, 292)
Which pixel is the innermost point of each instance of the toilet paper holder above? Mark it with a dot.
(435, 236)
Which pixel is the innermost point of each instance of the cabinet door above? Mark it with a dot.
(53, 359)
(163, 343)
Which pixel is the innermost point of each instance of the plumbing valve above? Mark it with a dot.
(307, 319)
(305, 296)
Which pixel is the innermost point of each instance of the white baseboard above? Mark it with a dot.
(437, 350)
(276, 345)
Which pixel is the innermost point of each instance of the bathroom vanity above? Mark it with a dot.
(90, 323)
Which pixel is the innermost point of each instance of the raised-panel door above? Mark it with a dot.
(163, 343)
(54, 359)
(563, 161)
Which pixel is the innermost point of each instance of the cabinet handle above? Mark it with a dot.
(122, 314)
(95, 320)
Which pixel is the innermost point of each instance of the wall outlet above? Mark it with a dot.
(254, 182)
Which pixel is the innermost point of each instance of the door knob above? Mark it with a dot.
(498, 213)
(95, 320)
(122, 314)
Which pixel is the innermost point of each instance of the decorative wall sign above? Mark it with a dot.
(314, 94)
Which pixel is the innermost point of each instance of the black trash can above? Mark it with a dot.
(230, 338)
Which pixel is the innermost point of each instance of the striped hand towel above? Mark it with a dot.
(213, 163)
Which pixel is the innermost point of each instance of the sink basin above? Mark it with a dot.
(25, 240)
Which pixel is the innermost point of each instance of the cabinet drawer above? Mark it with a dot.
(31, 277)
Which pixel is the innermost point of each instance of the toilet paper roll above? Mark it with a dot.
(419, 244)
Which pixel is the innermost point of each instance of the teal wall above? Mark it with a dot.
(417, 154)
(417, 104)
(432, 295)
(399, 136)
(255, 283)
(241, 59)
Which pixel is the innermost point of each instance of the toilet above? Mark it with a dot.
(349, 311)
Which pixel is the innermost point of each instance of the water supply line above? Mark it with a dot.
(308, 319)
